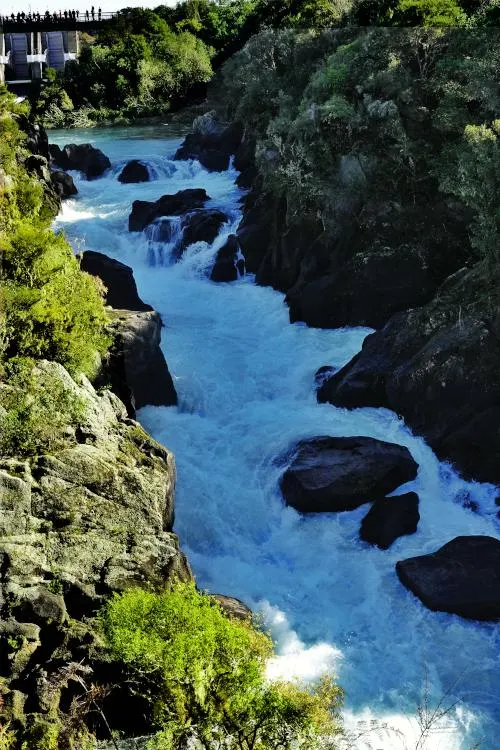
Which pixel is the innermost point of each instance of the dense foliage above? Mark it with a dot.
(148, 62)
(49, 309)
(204, 673)
(379, 117)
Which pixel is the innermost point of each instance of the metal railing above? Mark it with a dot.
(61, 19)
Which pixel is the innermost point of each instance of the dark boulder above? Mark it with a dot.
(83, 157)
(135, 366)
(63, 184)
(117, 278)
(389, 518)
(134, 171)
(202, 225)
(323, 374)
(338, 473)
(145, 212)
(228, 265)
(437, 366)
(211, 143)
(462, 578)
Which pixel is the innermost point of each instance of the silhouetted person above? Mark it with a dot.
(92, 12)
(99, 14)
(86, 15)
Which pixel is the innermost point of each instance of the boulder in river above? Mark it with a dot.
(117, 278)
(182, 202)
(211, 143)
(134, 171)
(202, 225)
(228, 264)
(83, 157)
(63, 184)
(462, 577)
(341, 473)
(389, 518)
(323, 374)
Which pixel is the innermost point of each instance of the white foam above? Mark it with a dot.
(244, 376)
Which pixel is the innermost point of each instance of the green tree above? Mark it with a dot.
(428, 13)
(205, 675)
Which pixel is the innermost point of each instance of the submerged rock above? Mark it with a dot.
(337, 474)
(121, 289)
(462, 578)
(323, 374)
(134, 171)
(389, 518)
(83, 157)
(182, 202)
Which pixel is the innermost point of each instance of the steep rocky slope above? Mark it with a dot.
(75, 525)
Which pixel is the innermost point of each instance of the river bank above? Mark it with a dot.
(244, 377)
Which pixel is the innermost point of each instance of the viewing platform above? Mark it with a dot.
(31, 42)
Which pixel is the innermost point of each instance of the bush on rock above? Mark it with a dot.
(204, 673)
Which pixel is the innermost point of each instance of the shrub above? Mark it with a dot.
(205, 675)
(36, 406)
(52, 310)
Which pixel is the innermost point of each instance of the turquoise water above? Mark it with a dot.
(244, 376)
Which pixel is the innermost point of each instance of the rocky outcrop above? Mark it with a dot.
(211, 143)
(256, 229)
(462, 578)
(233, 607)
(359, 271)
(229, 263)
(92, 517)
(389, 518)
(145, 212)
(135, 364)
(121, 289)
(337, 474)
(134, 171)
(83, 157)
(437, 366)
(202, 225)
(364, 291)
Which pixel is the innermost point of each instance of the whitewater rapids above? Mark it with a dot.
(244, 377)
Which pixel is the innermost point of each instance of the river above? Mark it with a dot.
(245, 380)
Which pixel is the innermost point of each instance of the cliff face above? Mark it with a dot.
(89, 519)
(370, 183)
